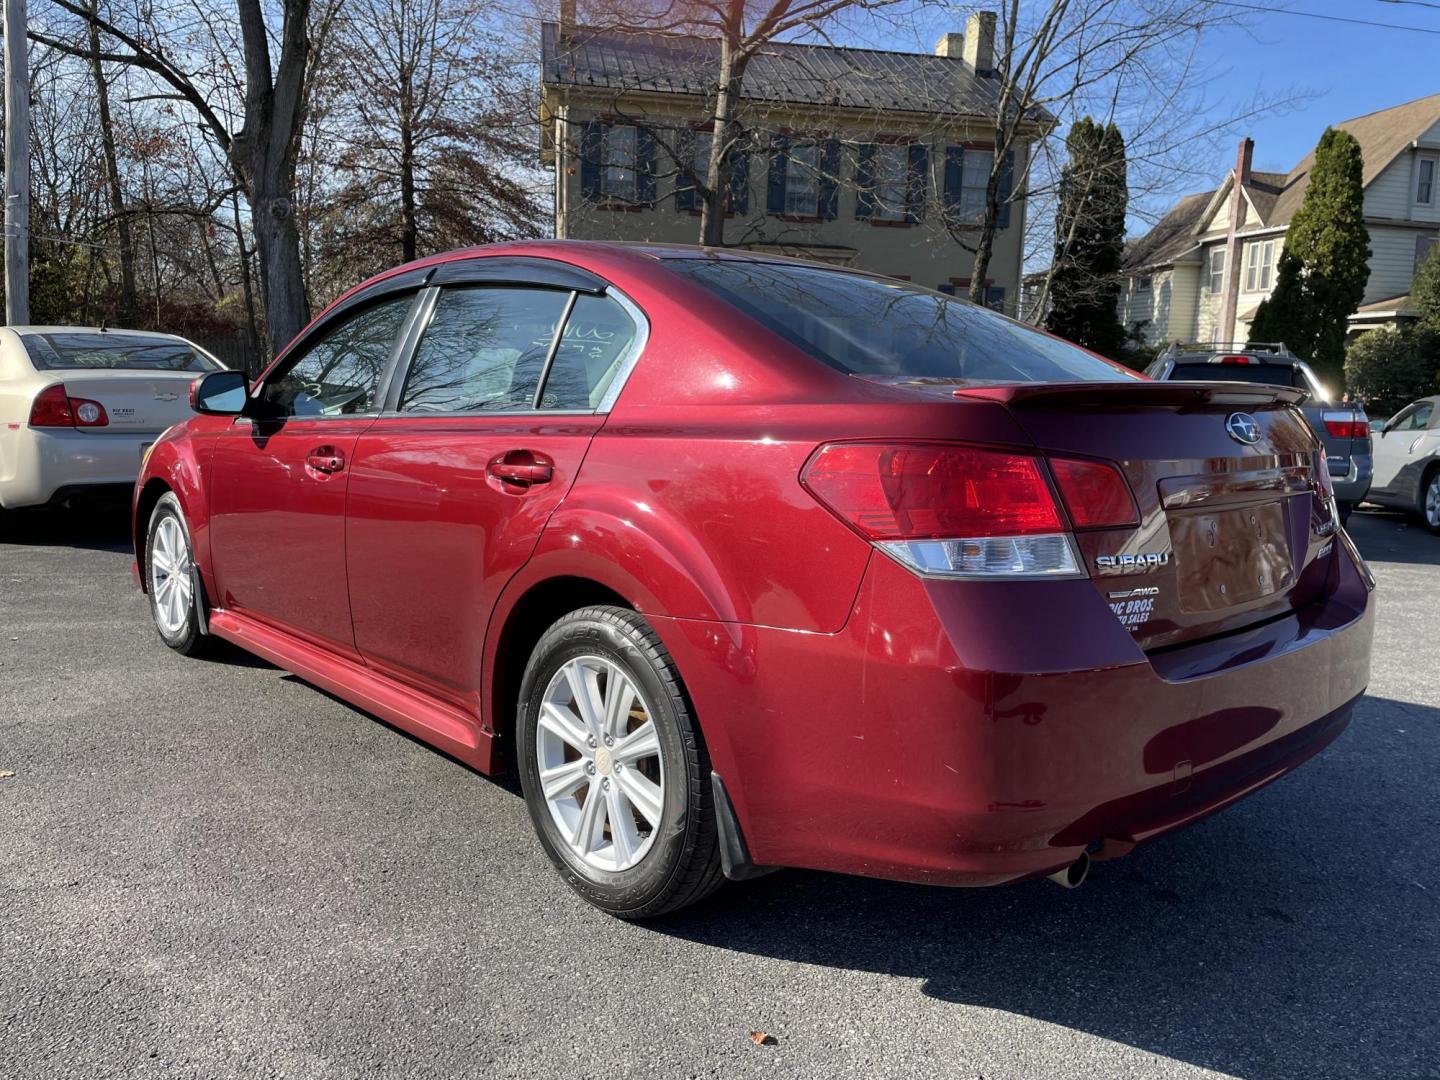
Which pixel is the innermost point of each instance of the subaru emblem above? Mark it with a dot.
(1243, 428)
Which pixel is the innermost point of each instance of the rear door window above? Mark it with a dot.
(484, 350)
(99, 351)
(597, 338)
(873, 326)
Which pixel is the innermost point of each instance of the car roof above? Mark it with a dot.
(107, 331)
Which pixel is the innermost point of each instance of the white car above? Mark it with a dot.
(79, 406)
(1407, 460)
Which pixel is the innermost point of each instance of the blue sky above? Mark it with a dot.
(1346, 70)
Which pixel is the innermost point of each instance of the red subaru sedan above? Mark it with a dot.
(747, 563)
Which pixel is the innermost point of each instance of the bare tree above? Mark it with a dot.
(258, 136)
(419, 117)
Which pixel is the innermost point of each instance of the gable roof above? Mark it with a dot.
(866, 79)
(1172, 236)
(1382, 136)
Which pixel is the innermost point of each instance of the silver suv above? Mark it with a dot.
(1343, 428)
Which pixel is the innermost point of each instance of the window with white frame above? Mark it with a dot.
(1259, 265)
(802, 181)
(618, 161)
(1215, 270)
(974, 178)
(1425, 169)
(892, 181)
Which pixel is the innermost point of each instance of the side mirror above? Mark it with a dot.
(220, 393)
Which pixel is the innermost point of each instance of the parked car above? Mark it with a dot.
(80, 405)
(1343, 428)
(748, 563)
(1407, 461)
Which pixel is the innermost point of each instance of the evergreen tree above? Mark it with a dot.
(1326, 262)
(1090, 240)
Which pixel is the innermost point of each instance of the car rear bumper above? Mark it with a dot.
(1355, 484)
(974, 733)
(42, 466)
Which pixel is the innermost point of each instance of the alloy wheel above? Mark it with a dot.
(170, 578)
(1432, 502)
(600, 766)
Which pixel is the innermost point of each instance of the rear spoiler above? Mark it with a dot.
(1136, 394)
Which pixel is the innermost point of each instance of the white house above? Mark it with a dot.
(1199, 275)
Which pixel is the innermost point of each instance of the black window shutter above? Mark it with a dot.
(995, 297)
(954, 176)
(829, 195)
(644, 165)
(865, 182)
(917, 182)
(775, 184)
(591, 141)
(686, 197)
(1007, 185)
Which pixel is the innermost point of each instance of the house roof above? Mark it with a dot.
(865, 79)
(1382, 136)
(1172, 236)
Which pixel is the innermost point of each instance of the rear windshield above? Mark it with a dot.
(874, 326)
(68, 351)
(1271, 374)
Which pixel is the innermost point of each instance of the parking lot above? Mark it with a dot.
(210, 869)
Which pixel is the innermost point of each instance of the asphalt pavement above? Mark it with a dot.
(210, 869)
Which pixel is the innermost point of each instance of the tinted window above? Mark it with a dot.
(339, 374)
(1272, 374)
(484, 350)
(596, 339)
(127, 352)
(878, 326)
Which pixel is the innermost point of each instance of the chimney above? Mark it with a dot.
(979, 45)
(1243, 158)
(950, 45)
(567, 18)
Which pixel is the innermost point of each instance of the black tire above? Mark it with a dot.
(683, 862)
(1431, 479)
(1345, 509)
(186, 639)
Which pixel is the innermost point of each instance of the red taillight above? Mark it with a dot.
(1346, 425)
(1095, 494)
(919, 491)
(52, 408)
(1238, 360)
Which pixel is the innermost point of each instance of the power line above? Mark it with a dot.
(1329, 18)
(1416, 3)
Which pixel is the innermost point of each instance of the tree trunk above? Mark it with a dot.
(112, 182)
(716, 188)
(277, 244)
(409, 231)
(985, 245)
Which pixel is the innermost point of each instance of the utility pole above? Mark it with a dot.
(17, 166)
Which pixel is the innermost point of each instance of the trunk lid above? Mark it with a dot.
(1231, 531)
(136, 402)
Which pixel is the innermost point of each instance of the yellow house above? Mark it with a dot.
(861, 157)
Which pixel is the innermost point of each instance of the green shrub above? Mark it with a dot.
(1388, 369)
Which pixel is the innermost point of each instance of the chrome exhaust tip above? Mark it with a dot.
(1074, 875)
